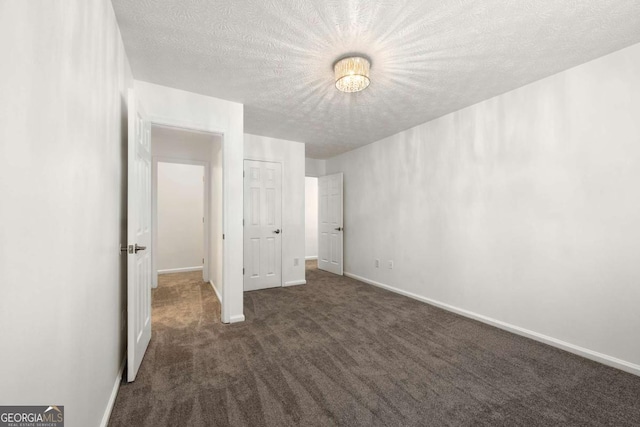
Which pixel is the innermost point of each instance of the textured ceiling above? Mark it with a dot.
(428, 57)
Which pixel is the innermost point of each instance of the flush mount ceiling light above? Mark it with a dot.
(352, 74)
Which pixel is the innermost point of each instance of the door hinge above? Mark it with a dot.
(203, 220)
(223, 237)
(243, 174)
(243, 271)
(203, 260)
(243, 222)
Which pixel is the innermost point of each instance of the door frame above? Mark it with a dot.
(154, 213)
(282, 169)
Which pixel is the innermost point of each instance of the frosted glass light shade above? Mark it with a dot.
(352, 74)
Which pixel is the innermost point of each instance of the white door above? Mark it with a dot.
(262, 225)
(139, 237)
(330, 226)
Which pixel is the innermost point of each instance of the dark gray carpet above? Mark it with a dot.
(340, 352)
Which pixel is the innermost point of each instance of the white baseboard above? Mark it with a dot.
(180, 270)
(216, 291)
(294, 283)
(114, 394)
(571, 348)
(237, 318)
(311, 258)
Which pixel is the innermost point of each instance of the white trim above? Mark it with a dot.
(311, 258)
(623, 365)
(185, 124)
(237, 318)
(165, 159)
(180, 270)
(294, 283)
(216, 291)
(114, 394)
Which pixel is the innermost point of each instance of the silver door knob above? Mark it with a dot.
(339, 229)
(139, 248)
(277, 231)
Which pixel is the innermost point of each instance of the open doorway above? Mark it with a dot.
(187, 204)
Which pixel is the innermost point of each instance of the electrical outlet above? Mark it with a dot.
(296, 262)
(377, 263)
(390, 265)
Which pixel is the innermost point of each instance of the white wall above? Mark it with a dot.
(523, 208)
(63, 127)
(193, 111)
(180, 216)
(174, 143)
(311, 217)
(315, 167)
(291, 155)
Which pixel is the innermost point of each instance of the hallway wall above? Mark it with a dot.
(63, 132)
(180, 217)
(315, 167)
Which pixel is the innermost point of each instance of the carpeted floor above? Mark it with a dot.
(340, 352)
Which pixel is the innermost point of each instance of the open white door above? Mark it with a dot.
(330, 226)
(262, 225)
(138, 237)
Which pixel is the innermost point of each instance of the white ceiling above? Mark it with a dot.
(428, 57)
